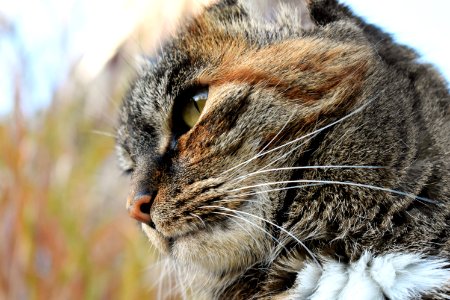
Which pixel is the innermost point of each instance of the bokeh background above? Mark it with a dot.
(64, 67)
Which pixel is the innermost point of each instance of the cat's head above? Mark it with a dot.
(217, 127)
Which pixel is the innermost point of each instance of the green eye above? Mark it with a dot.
(194, 106)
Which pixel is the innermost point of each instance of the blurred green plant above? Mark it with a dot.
(64, 229)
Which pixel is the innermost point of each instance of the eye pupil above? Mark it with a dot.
(196, 106)
(193, 108)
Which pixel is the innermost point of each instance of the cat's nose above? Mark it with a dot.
(139, 205)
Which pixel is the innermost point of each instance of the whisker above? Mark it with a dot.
(104, 133)
(245, 229)
(281, 189)
(271, 223)
(278, 133)
(306, 135)
(253, 224)
(285, 154)
(234, 200)
(307, 168)
(349, 183)
(180, 283)
(161, 281)
(171, 286)
(158, 267)
(198, 217)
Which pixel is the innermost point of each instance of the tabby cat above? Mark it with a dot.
(289, 150)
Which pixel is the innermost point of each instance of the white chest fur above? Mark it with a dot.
(397, 276)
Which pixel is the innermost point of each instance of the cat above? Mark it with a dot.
(290, 150)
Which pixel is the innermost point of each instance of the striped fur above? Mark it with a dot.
(321, 141)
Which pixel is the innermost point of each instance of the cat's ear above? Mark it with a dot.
(275, 11)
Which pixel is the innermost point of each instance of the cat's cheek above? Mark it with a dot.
(156, 239)
(206, 252)
(225, 249)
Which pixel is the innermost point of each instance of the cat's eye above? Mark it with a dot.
(193, 107)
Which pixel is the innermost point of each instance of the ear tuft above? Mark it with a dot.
(271, 11)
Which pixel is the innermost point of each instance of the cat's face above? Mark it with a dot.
(194, 164)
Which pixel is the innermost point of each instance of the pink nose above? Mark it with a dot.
(139, 207)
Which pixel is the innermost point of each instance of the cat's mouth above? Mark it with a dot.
(165, 242)
(159, 241)
(215, 249)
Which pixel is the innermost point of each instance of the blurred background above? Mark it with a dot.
(64, 67)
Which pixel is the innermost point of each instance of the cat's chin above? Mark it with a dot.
(156, 238)
(216, 251)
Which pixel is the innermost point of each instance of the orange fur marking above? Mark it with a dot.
(306, 70)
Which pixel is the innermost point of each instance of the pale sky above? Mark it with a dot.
(54, 36)
(423, 25)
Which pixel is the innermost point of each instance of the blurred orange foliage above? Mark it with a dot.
(65, 233)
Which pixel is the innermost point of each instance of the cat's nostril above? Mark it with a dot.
(145, 208)
(139, 207)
